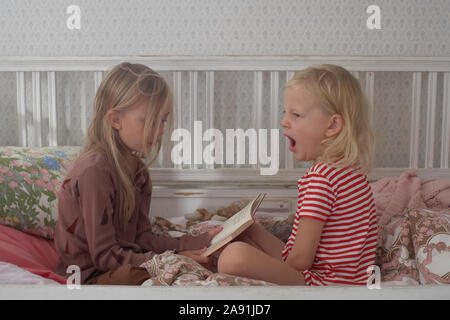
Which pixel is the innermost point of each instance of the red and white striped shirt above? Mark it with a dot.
(343, 199)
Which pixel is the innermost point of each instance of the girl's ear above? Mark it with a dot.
(334, 125)
(113, 119)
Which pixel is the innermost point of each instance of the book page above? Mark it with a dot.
(233, 223)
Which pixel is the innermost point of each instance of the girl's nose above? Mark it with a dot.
(284, 123)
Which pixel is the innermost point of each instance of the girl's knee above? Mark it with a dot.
(233, 258)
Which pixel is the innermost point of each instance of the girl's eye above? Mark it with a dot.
(297, 115)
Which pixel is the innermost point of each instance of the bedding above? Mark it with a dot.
(37, 255)
(32, 253)
(12, 274)
(416, 248)
(415, 251)
(29, 179)
(413, 217)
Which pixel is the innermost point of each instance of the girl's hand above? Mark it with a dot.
(214, 231)
(196, 255)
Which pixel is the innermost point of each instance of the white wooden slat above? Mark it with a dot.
(257, 102)
(209, 97)
(52, 119)
(356, 75)
(193, 116)
(370, 88)
(36, 100)
(274, 113)
(274, 98)
(21, 110)
(178, 104)
(288, 156)
(257, 99)
(431, 119)
(445, 138)
(161, 156)
(98, 77)
(415, 123)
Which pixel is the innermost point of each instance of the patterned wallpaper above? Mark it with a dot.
(217, 27)
(213, 27)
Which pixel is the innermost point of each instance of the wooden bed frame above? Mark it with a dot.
(179, 190)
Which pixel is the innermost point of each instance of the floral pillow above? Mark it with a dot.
(430, 230)
(29, 180)
(395, 253)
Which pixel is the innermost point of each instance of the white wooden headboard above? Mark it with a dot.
(194, 79)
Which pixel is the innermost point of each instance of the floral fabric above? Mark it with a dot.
(395, 253)
(169, 269)
(415, 248)
(29, 180)
(430, 231)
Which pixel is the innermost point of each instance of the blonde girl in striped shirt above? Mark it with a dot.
(334, 236)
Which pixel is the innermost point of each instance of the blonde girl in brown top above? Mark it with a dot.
(103, 224)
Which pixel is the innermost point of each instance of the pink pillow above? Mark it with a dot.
(32, 253)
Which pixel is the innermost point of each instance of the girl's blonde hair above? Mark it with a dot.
(338, 92)
(122, 88)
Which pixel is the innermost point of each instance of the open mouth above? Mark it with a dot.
(292, 143)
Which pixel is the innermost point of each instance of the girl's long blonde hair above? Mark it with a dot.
(122, 88)
(339, 92)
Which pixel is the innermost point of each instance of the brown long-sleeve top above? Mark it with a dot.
(88, 232)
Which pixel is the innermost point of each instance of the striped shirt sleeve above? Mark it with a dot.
(316, 197)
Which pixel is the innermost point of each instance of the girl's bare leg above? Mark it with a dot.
(242, 259)
(260, 238)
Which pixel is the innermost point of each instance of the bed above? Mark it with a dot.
(412, 190)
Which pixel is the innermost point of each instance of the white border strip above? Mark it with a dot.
(114, 292)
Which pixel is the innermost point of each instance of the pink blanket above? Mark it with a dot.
(393, 195)
(29, 252)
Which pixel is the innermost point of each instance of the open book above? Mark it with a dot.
(235, 225)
